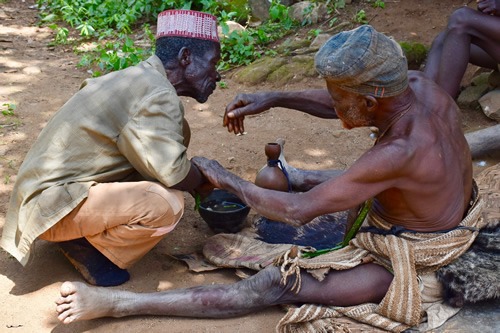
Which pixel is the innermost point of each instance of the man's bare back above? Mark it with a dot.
(435, 183)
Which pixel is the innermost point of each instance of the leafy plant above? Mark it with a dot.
(62, 34)
(379, 4)
(313, 33)
(114, 55)
(109, 24)
(360, 17)
(243, 47)
(8, 109)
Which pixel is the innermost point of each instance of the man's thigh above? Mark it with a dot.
(109, 205)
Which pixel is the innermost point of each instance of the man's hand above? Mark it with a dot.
(490, 7)
(211, 169)
(243, 105)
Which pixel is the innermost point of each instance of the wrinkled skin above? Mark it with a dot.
(196, 77)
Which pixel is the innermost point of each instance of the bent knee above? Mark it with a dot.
(165, 206)
(462, 19)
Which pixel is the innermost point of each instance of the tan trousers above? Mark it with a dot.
(123, 221)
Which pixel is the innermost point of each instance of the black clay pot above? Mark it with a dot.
(224, 212)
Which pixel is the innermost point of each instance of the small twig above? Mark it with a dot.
(372, 18)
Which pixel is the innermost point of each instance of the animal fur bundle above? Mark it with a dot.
(474, 276)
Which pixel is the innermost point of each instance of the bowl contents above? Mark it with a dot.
(224, 206)
(223, 212)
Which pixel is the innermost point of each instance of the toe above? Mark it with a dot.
(63, 308)
(67, 288)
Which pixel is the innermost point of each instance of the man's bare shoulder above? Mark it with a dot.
(418, 80)
(430, 97)
(421, 83)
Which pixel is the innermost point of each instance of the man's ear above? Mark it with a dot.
(371, 103)
(184, 56)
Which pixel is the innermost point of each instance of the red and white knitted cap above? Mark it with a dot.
(187, 23)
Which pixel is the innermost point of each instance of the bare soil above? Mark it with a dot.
(39, 79)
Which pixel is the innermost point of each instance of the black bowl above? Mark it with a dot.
(223, 212)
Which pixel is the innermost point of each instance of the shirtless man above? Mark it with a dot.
(419, 173)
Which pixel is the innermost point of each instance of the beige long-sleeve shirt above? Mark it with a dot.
(124, 124)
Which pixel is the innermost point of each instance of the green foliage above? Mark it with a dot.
(120, 53)
(93, 18)
(243, 47)
(237, 49)
(415, 53)
(379, 4)
(313, 33)
(109, 24)
(61, 34)
(8, 109)
(360, 17)
(334, 5)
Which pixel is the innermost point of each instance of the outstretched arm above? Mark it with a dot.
(316, 102)
(339, 193)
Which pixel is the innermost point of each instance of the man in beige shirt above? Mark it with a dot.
(105, 177)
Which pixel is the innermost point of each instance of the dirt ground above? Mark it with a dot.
(39, 79)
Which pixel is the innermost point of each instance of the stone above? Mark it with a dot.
(469, 96)
(232, 26)
(259, 9)
(258, 71)
(480, 79)
(292, 44)
(296, 70)
(319, 41)
(490, 103)
(494, 79)
(308, 12)
(32, 70)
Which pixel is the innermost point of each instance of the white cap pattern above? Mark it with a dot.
(187, 23)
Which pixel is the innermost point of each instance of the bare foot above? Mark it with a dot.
(79, 301)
